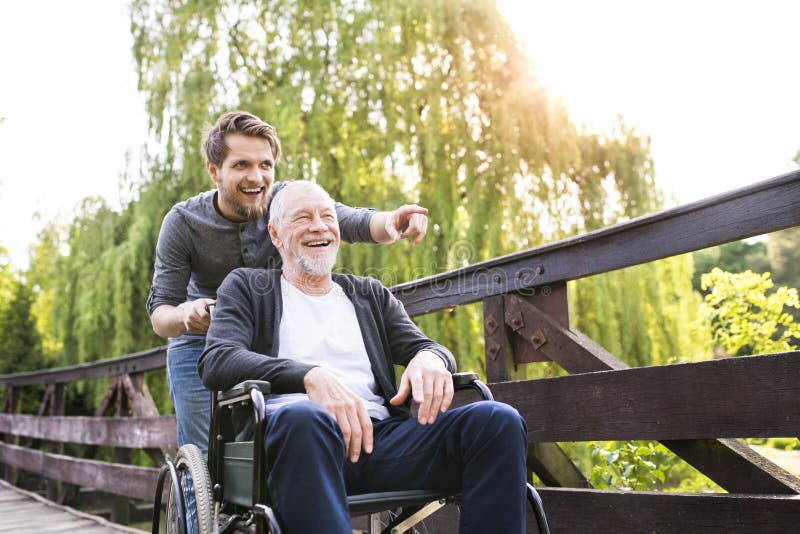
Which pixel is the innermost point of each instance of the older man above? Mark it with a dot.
(327, 343)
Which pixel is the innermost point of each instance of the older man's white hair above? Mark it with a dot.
(276, 208)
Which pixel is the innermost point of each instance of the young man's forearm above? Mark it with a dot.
(167, 321)
(190, 317)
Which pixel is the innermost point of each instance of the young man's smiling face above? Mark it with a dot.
(245, 178)
(308, 232)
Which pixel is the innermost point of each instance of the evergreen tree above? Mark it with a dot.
(20, 343)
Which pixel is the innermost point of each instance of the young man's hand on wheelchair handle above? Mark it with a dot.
(196, 316)
(345, 406)
(430, 385)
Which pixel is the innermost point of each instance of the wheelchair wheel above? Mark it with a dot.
(195, 487)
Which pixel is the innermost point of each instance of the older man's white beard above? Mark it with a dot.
(320, 265)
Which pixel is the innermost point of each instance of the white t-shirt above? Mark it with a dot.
(323, 330)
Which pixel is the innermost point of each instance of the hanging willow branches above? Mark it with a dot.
(382, 103)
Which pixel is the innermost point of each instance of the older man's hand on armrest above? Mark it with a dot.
(430, 384)
(345, 406)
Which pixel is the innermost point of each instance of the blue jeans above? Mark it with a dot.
(192, 401)
(478, 449)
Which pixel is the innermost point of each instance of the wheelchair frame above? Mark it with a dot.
(231, 510)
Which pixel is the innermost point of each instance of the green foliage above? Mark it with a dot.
(92, 276)
(786, 444)
(7, 278)
(20, 343)
(784, 257)
(733, 257)
(636, 465)
(641, 314)
(745, 314)
(41, 275)
(626, 465)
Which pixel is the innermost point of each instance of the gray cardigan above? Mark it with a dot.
(242, 342)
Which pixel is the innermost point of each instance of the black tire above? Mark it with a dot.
(189, 460)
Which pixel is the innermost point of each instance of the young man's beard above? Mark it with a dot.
(252, 212)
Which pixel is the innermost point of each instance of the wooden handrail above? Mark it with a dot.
(766, 206)
(136, 362)
(117, 479)
(127, 432)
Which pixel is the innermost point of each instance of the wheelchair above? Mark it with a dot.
(230, 492)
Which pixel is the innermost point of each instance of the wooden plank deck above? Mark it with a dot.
(23, 511)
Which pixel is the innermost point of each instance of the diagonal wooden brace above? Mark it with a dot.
(143, 405)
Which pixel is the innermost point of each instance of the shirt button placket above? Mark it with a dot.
(244, 244)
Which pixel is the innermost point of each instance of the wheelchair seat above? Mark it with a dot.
(237, 462)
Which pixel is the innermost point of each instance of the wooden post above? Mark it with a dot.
(143, 405)
(56, 408)
(494, 332)
(120, 506)
(11, 404)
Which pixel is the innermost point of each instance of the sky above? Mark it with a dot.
(714, 84)
(68, 95)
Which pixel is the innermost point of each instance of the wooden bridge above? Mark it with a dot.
(25, 511)
(696, 409)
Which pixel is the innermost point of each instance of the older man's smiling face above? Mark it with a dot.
(308, 235)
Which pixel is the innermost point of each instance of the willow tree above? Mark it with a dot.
(382, 103)
(433, 102)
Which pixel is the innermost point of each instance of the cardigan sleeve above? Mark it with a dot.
(243, 320)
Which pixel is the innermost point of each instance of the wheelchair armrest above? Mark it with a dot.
(470, 381)
(242, 389)
(463, 380)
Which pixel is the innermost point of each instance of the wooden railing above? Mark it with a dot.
(697, 410)
(126, 419)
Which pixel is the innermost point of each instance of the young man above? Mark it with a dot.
(336, 422)
(207, 236)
